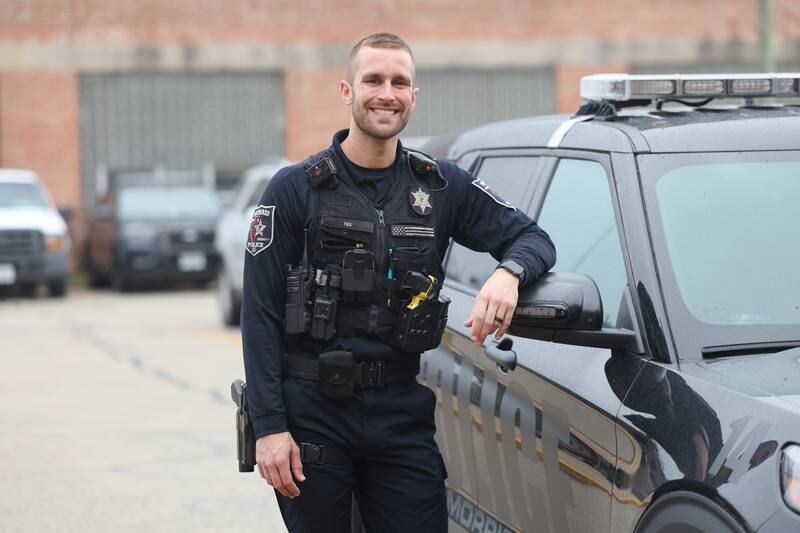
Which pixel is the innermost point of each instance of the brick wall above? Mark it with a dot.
(39, 129)
(314, 109)
(344, 20)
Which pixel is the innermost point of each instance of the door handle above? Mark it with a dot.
(502, 354)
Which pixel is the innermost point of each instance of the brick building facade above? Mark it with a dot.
(67, 67)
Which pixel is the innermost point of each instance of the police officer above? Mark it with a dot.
(342, 287)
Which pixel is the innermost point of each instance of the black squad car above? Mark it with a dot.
(651, 382)
(152, 232)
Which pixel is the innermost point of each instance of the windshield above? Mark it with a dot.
(725, 235)
(167, 203)
(21, 195)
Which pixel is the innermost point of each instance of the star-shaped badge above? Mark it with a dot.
(420, 202)
(260, 228)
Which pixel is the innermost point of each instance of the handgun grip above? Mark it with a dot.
(237, 392)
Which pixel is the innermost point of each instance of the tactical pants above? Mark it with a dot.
(397, 474)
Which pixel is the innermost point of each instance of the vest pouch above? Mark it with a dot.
(421, 328)
(323, 319)
(358, 270)
(337, 374)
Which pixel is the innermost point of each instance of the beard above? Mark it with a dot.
(376, 131)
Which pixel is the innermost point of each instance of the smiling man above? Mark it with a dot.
(341, 296)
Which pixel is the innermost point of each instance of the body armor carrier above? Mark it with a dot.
(370, 270)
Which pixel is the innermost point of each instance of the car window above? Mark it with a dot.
(510, 177)
(579, 218)
(731, 238)
(255, 197)
(21, 195)
(167, 203)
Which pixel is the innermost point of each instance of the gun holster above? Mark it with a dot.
(337, 374)
(245, 436)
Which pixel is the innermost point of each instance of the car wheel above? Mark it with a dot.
(119, 282)
(686, 512)
(93, 278)
(229, 304)
(27, 289)
(57, 288)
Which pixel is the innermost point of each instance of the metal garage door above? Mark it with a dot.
(178, 120)
(451, 100)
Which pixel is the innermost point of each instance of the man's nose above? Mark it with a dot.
(386, 92)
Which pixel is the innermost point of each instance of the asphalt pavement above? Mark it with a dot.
(115, 415)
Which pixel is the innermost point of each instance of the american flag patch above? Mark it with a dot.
(401, 230)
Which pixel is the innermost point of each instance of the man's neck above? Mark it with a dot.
(368, 152)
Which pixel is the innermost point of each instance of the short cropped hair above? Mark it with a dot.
(377, 40)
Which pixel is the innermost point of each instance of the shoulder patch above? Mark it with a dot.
(482, 185)
(261, 229)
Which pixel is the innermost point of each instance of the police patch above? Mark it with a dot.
(479, 183)
(261, 229)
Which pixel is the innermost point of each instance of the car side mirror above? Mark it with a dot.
(566, 308)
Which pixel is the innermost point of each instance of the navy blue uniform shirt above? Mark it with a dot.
(468, 214)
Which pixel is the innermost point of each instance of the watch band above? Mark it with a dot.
(513, 267)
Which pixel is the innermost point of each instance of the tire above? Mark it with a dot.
(687, 512)
(27, 289)
(57, 288)
(119, 282)
(94, 279)
(229, 304)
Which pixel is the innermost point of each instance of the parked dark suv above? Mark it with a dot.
(651, 382)
(152, 233)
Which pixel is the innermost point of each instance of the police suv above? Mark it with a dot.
(651, 381)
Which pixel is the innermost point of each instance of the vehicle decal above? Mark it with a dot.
(468, 515)
(261, 229)
(506, 455)
(741, 452)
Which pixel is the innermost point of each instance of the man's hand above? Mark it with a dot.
(278, 457)
(494, 306)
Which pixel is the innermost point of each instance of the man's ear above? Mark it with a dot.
(414, 93)
(347, 92)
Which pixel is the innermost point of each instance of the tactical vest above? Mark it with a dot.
(370, 271)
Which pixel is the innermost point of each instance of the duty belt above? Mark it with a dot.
(367, 374)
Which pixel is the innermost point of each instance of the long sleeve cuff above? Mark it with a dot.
(267, 424)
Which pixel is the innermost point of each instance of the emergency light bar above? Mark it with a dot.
(622, 87)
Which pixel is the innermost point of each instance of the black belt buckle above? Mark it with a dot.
(311, 453)
(337, 374)
(372, 374)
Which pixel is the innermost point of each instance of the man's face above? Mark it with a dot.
(382, 95)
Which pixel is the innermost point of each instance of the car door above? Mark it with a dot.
(544, 431)
(451, 368)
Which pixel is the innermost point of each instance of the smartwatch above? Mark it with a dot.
(513, 267)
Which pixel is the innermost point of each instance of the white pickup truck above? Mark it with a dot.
(34, 241)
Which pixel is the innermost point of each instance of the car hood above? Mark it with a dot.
(46, 220)
(776, 375)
